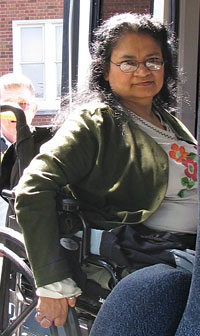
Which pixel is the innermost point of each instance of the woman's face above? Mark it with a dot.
(143, 84)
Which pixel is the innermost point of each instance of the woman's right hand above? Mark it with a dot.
(50, 310)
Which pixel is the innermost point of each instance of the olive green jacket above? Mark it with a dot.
(118, 173)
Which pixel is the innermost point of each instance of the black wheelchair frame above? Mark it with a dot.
(17, 287)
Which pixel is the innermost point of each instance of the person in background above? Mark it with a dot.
(128, 161)
(14, 88)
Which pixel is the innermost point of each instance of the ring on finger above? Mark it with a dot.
(38, 314)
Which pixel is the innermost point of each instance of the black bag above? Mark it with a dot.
(138, 246)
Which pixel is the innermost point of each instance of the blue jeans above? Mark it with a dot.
(148, 302)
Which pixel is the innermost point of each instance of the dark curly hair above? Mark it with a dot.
(106, 37)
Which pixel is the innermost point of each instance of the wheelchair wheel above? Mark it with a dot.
(17, 293)
(17, 290)
(18, 299)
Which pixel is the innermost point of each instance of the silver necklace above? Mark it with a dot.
(168, 133)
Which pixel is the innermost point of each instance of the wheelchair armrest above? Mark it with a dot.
(71, 205)
(85, 242)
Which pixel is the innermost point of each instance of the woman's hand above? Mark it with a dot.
(51, 310)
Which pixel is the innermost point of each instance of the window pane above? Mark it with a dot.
(59, 32)
(58, 76)
(36, 73)
(31, 44)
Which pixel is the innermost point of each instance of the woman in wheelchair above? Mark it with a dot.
(127, 160)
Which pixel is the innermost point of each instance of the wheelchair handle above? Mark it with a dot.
(9, 194)
(24, 139)
(18, 112)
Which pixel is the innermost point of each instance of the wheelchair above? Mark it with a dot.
(17, 288)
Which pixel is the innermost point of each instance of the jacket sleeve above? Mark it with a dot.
(64, 160)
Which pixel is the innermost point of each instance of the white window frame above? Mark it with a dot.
(50, 100)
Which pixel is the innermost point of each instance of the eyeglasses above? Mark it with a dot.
(152, 64)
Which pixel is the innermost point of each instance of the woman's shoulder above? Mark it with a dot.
(90, 118)
(95, 108)
(94, 112)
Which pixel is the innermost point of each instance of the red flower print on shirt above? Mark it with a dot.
(191, 169)
(178, 153)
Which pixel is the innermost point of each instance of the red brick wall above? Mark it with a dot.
(22, 10)
(121, 6)
(47, 9)
(42, 120)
